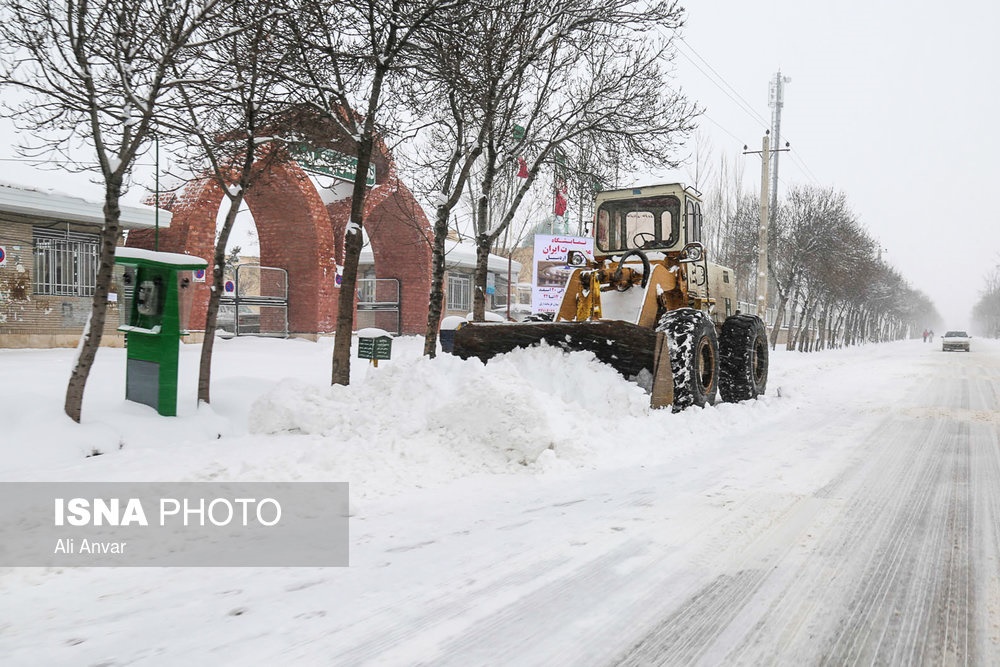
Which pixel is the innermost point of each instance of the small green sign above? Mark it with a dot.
(328, 162)
(375, 348)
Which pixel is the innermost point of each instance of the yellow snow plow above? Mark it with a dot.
(649, 304)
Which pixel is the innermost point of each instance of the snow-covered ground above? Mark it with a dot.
(531, 511)
(408, 424)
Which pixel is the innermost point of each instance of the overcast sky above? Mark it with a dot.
(894, 103)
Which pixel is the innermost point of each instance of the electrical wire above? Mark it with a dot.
(734, 95)
(720, 82)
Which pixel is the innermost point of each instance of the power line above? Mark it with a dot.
(802, 165)
(721, 127)
(738, 99)
(715, 78)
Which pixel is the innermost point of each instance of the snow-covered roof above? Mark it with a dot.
(458, 256)
(172, 258)
(48, 204)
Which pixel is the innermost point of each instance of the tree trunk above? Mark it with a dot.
(90, 339)
(821, 330)
(436, 306)
(789, 343)
(779, 317)
(479, 291)
(806, 327)
(214, 297)
(836, 332)
(456, 186)
(848, 335)
(857, 326)
(483, 239)
(803, 323)
(341, 370)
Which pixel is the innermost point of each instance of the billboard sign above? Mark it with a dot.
(552, 268)
(329, 162)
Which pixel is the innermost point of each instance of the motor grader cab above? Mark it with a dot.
(650, 304)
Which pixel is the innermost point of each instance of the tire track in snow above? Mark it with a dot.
(689, 634)
(918, 597)
(887, 574)
(984, 485)
(900, 606)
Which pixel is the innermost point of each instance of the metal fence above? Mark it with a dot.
(258, 305)
(378, 304)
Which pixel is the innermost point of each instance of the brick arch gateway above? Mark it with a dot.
(301, 230)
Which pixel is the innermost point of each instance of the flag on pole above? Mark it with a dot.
(561, 198)
(522, 167)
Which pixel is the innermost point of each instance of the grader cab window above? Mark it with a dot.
(693, 221)
(639, 225)
(651, 223)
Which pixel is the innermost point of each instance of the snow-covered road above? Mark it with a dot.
(893, 561)
(854, 519)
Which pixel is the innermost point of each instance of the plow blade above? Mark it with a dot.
(626, 347)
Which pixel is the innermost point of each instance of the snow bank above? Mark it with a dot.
(410, 423)
(444, 418)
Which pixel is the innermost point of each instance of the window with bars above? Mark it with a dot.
(459, 292)
(65, 262)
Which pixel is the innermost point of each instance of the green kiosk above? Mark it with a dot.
(154, 291)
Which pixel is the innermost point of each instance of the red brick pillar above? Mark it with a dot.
(294, 232)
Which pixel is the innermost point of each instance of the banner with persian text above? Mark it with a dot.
(554, 260)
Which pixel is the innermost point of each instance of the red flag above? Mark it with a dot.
(522, 167)
(561, 200)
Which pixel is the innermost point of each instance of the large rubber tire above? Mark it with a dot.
(694, 357)
(743, 358)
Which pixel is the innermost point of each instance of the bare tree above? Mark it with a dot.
(986, 312)
(801, 224)
(228, 111)
(584, 81)
(699, 167)
(832, 280)
(350, 53)
(736, 241)
(95, 72)
(472, 78)
(450, 67)
(724, 198)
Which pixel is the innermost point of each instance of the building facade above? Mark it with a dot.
(49, 247)
(460, 267)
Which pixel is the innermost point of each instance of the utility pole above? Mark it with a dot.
(761, 289)
(765, 219)
(776, 100)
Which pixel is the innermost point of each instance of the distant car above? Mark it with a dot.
(955, 340)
